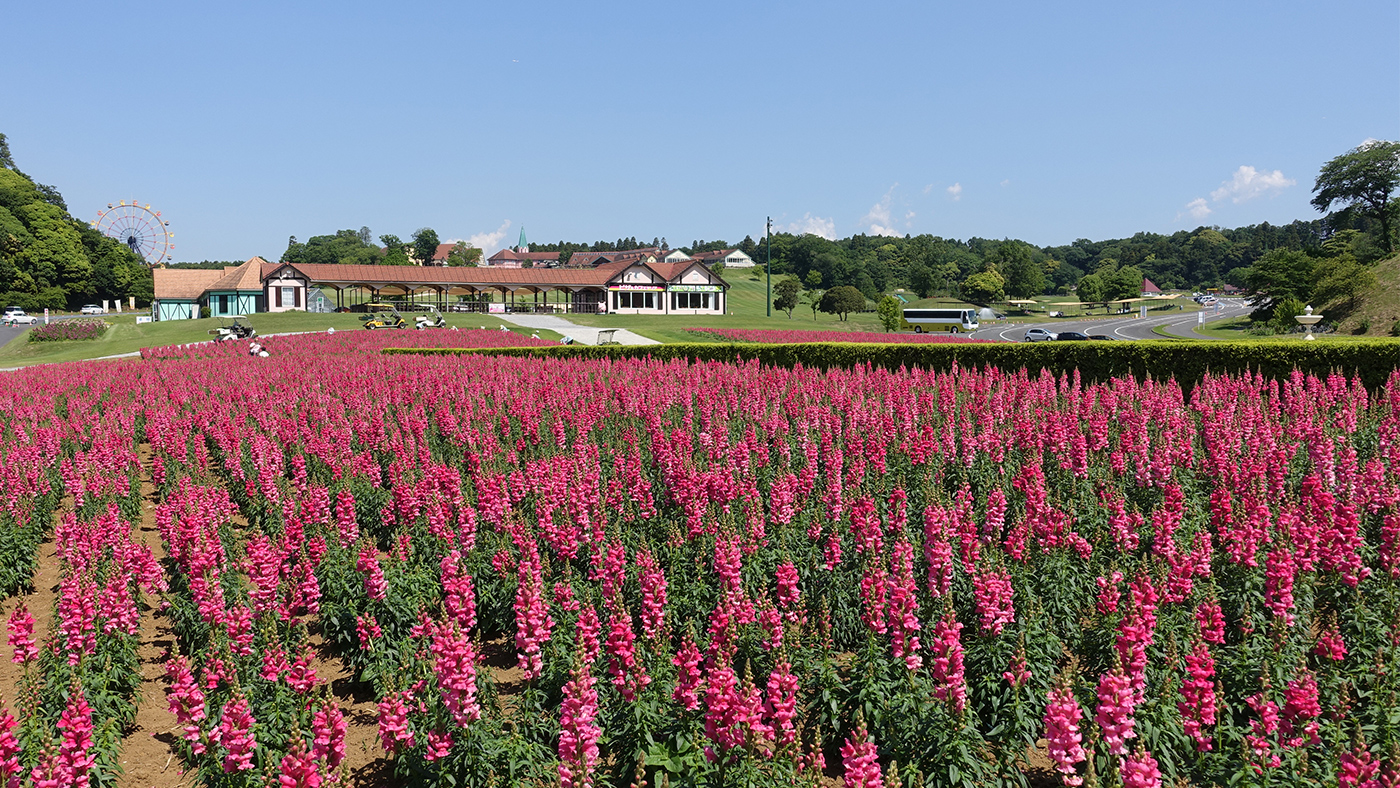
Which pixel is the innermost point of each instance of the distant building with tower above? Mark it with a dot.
(518, 255)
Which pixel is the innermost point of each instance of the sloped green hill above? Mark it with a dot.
(1377, 311)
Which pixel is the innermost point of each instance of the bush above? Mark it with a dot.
(1395, 329)
(204, 311)
(1183, 361)
(1364, 327)
(81, 329)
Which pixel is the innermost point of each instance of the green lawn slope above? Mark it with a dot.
(125, 336)
(1376, 310)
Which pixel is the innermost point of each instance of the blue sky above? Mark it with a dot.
(249, 122)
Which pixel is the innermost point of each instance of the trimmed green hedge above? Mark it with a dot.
(1186, 361)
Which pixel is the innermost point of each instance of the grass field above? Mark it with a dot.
(125, 336)
(746, 310)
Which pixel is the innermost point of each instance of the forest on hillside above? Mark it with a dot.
(49, 259)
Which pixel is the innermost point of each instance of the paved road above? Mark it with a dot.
(585, 335)
(1179, 324)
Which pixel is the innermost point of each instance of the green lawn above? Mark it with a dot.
(745, 310)
(1238, 329)
(125, 336)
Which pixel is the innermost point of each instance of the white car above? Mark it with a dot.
(1039, 335)
(16, 316)
(92, 309)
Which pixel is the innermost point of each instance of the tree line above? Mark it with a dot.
(49, 259)
(357, 247)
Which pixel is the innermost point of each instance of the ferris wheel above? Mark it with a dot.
(140, 228)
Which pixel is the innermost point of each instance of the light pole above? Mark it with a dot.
(768, 266)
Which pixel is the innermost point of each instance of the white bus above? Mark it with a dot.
(951, 320)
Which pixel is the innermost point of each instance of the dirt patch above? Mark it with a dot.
(146, 756)
(41, 605)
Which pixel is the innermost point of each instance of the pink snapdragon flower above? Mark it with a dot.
(236, 735)
(578, 731)
(860, 760)
(1115, 710)
(21, 637)
(1197, 705)
(1062, 715)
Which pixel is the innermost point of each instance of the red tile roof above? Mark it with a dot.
(465, 276)
(715, 254)
(511, 254)
(185, 284)
(244, 277)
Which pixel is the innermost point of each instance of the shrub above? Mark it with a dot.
(1395, 329)
(1364, 327)
(81, 329)
(1186, 362)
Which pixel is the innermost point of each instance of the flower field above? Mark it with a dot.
(72, 330)
(553, 572)
(776, 336)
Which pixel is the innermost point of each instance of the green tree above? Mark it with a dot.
(1339, 278)
(812, 297)
(841, 301)
(5, 160)
(1281, 274)
(1363, 179)
(425, 244)
(921, 280)
(891, 312)
(1090, 288)
(1024, 276)
(56, 257)
(395, 252)
(1126, 282)
(785, 294)
(463, 253)
(984, 288)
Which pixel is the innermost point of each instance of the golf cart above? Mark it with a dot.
(383, 316)
(435, 321)
(232, 329)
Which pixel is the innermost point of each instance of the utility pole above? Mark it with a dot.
(768, 231)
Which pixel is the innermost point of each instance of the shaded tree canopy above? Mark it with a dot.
(1362, 179)
(49, 259)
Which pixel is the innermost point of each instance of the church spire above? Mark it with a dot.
(524, 245)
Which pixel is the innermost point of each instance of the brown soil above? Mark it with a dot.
(146, 755)
(40, 603)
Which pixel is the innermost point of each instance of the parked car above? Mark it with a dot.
(10, 310)
(92, 309)
(1070, 336)
(14, 316)
(1102, 337)
(1039, 335)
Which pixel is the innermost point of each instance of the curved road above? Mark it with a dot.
(1179, 324)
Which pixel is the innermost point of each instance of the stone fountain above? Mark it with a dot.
(1308, 320)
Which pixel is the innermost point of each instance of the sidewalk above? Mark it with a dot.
(584, 335)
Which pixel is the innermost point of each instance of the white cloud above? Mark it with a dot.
(1006, 182)
(1196, 209)
(955, 191)
(490, 242)
(928, 188)
(1249, 183)
(879, 216)
(812, 225)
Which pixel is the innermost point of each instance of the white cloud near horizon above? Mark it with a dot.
(813, 225)
(1249, 183)
(1196, 209)
(879, 216)
(489, 243)
(955, 191)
